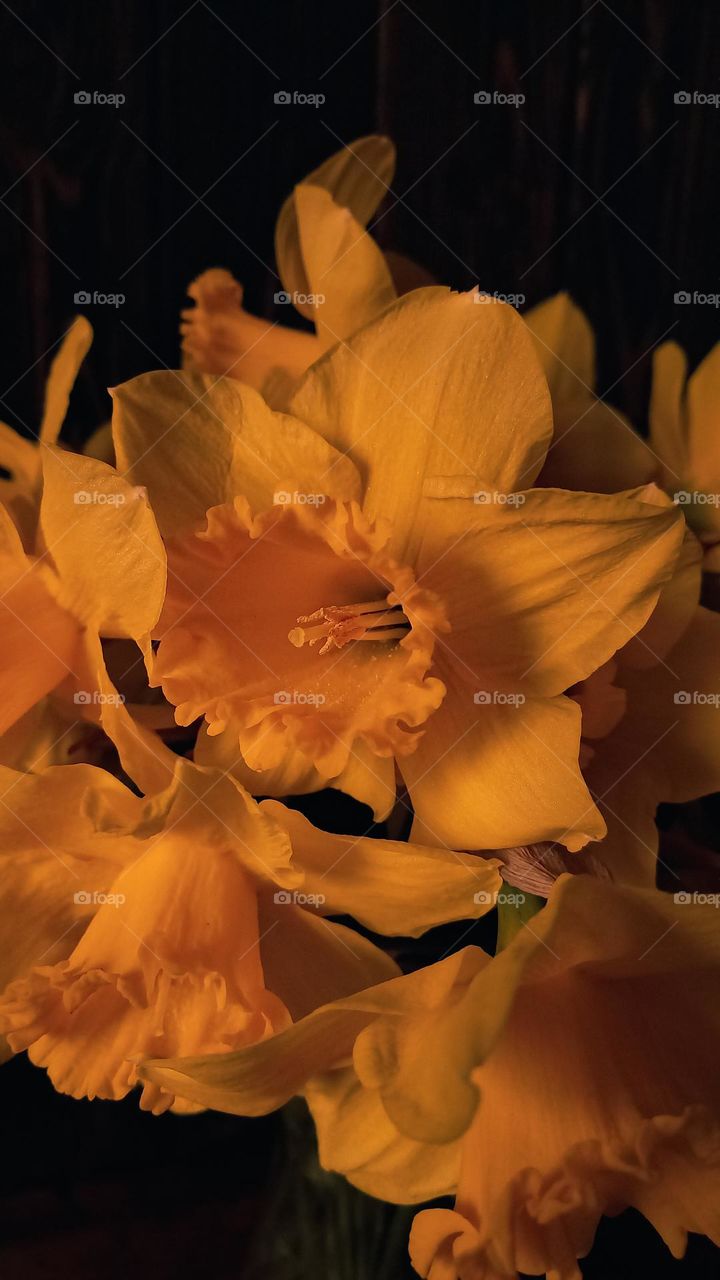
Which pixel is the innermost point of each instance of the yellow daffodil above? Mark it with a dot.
(330, 269)
(189, 923)
(572, 1075)
(21, 458)
(684, 432)
(594, 446)
(299, 623)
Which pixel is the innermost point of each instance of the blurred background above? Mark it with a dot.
(602, 181)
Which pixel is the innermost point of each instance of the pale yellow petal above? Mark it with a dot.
(61, 378)
(565, 343)
(105, 545)
(437, 386)
(357, 178)
(491, 775)
(346, 271)
(667, 431)
(195, 442)
(389, 886)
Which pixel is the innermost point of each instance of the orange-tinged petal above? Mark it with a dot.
(346, 270)
(357, 178)
(703, 406)
(196, 443)
(54, 859)
(435, 386)
(104, 542)
(39, 639)
(389, 886)
(61, 378)
(490, 775)
(565, 344)
(541, 592)
(357, 1139)
(226, 650)
(596, 449)
(667, 432)
(309, 961)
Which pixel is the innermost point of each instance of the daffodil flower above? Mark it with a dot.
(546, 1086)
(330, 269)
(21, 458)
(190, 922)
(683, 431)
(422, 626)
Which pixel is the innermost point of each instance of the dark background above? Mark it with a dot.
(600, 183)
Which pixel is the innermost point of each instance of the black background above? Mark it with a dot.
(190, 172)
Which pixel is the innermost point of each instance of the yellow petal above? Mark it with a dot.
(565, 344)
(105, 544)
(196, 443)
(436, 386)
(539, 594)
(667, 433)
(61, 378)
(40, 641)
(346, 270)
(488, 776)
(675, 709)
(357, 178)
(357, 1139)
(53, 861)
(309, 961)
(703, 405)
(388, 886)
(596, 449)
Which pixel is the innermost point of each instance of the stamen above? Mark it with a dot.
(339, 624)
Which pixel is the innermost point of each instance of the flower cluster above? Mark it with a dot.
(405, 553)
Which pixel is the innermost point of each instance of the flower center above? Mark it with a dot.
(338, 624)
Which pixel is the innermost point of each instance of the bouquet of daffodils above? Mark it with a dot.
(409, 555)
